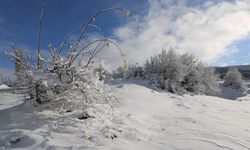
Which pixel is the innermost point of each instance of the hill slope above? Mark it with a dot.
(144, 119)
(166, 121)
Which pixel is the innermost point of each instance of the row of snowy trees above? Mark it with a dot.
(173, 72)
(181, 73)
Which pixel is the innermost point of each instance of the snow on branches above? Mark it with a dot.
(66, 68)
(234, 80)
(180, 73)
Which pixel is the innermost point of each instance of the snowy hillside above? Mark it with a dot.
(143, 119)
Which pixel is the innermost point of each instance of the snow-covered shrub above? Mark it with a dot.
(101, 72)
(234, 79)
(210, 81)
(119, 73)
(66, 68)
(172, 68)
(88, 91)
(66, 80)
(198, 78)
(193, 72)
(193, 81)
(166, 69)
(135, 72)
(180, 73)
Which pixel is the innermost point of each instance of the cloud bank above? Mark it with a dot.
(207, 30)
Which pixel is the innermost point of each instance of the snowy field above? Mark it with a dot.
(143, 119)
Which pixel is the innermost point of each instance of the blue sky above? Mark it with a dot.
(240, 57)
(217, 32)
(19, 20)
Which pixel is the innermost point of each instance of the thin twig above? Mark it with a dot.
(85, 26)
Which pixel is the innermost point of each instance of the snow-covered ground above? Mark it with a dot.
(143, 119)
(4, 87)
(8, 100)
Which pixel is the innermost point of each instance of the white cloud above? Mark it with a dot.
(208, 30)
(209, 33)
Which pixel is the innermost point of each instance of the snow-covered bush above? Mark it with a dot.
(135, 72)
(180, 73)
(166, 69)
(193, 72)
(101, 72)
(234, 79)
(66, 80)
(66, 68)
(210, 81)
(171, 69)
(119, 73)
